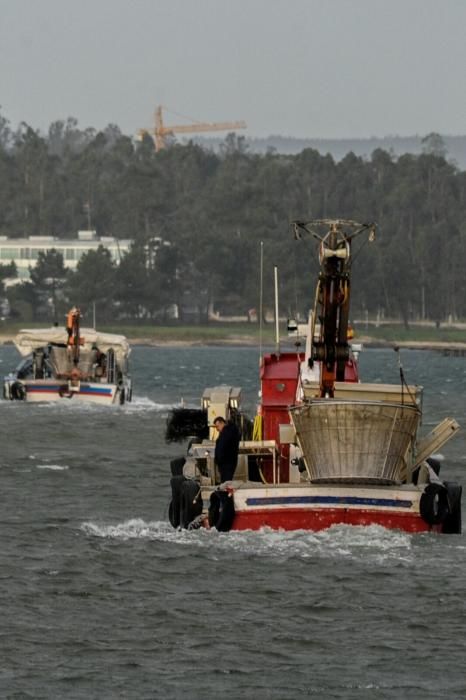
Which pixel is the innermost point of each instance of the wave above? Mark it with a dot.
(138, 404)
(373, 543)
(53, 467)
(144, 403)
(69, 406)
(130, 529)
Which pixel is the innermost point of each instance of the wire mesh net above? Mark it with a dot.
(355, 440)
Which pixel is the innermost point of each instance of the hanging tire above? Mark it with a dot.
(18, 391)
(190, 502)
(64, 392)
(176, 466)
(172, 515)
(221, 511)
(174, 509)
(434, 506)
(452, 523)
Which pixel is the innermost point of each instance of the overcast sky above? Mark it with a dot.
(305, 68)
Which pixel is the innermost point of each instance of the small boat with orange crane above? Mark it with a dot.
(70, 363)
(325, 448)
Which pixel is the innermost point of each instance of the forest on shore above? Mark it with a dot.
(212, 210)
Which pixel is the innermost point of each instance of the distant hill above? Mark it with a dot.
(338, 148)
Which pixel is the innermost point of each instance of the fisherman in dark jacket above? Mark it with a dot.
(226, 448)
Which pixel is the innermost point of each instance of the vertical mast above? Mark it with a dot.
(277, 332)
(261, 294)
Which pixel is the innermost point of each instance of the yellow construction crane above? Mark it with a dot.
(160, 131)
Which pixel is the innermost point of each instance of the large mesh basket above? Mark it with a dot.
(365, 441)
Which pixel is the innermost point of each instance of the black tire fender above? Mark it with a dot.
(64, 392)
(175, 503)
(434, 506)
(176, 466)
(190, 502)
(221, 510)
(18, 391)
(452, 523)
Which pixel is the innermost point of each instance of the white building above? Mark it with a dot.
(25, 251)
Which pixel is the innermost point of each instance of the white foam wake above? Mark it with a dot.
(137, 405)
(143, 403)
(373, 543)
(53, 467)
(130, 529)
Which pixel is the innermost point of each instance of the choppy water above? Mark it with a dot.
(100, 598)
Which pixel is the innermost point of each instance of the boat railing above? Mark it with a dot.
(392, 393)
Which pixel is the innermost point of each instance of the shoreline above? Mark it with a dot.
(171, 342)
(367, 343)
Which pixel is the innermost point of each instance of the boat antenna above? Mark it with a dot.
(400, 367)
(261, 294)
(295, 281)
(277, 332)
(402, 376)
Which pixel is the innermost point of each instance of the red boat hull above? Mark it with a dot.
(320, 519)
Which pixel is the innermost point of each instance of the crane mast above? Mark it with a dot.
(73, 329)
(332, 302)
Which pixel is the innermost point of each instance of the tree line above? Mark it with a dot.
(213, 210)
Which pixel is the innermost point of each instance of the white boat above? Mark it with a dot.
(326, 449)
(70, 363)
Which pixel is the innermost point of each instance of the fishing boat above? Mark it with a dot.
(70, 363)
(325, 448)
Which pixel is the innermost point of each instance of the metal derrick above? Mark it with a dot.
(330, 346)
